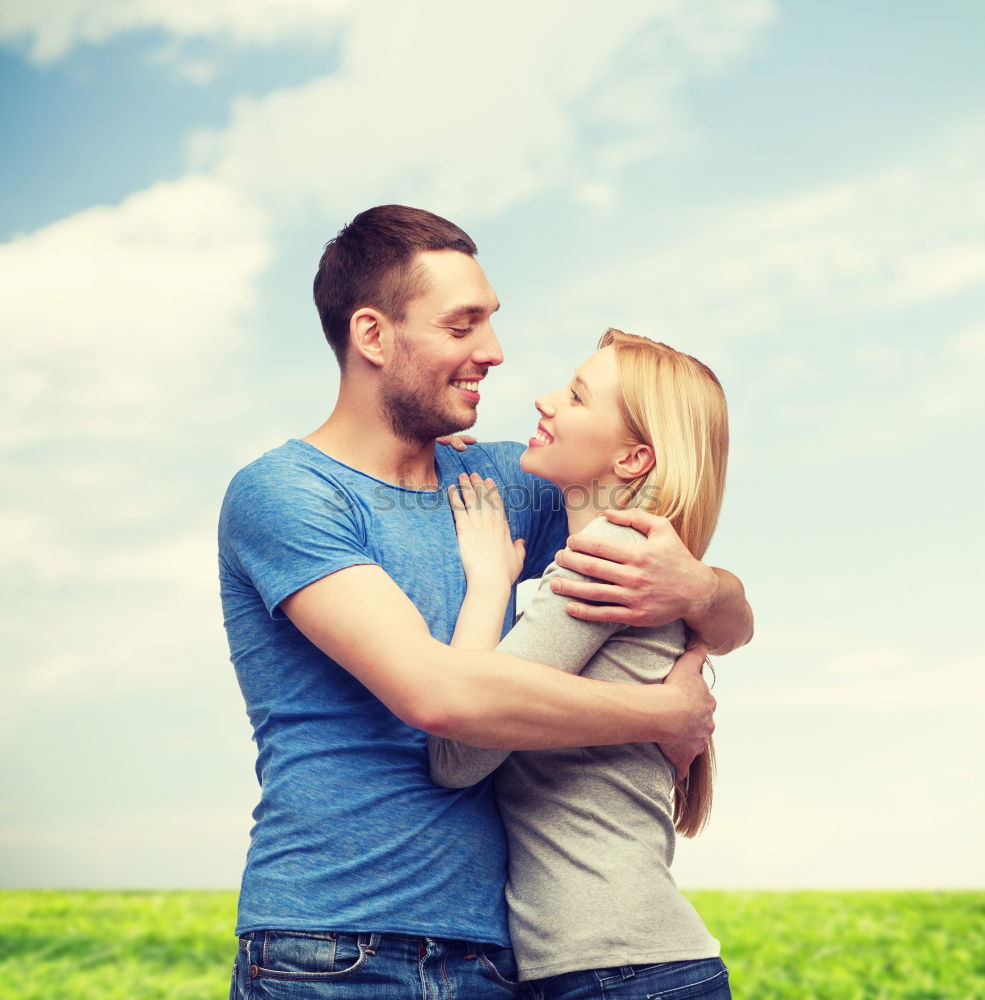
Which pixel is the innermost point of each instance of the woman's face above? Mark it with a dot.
(581, 430)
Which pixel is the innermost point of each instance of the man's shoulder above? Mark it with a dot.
(271, 464)
(500, 460)
(283, 482)
(504, 455)
(293, 466)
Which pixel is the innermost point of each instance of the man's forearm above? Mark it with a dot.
(725, 622)
(494, 700)
(484, 698)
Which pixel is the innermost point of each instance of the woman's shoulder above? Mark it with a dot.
(605, 528)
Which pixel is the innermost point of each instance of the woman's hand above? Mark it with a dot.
(490, 557)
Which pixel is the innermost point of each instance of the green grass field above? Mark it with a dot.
(778, 945)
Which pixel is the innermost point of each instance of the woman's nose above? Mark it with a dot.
(544, 406)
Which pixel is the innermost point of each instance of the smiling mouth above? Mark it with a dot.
(542, 436)
(468, 384)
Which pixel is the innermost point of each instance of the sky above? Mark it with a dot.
(790, 191)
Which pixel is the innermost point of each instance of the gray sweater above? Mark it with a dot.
(591, 832)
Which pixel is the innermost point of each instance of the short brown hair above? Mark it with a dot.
(371, 263)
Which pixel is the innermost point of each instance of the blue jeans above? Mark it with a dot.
(302, 965)
(705, 978)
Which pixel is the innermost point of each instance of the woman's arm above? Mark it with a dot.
(655, 584)
(545, 633)
(491, 559)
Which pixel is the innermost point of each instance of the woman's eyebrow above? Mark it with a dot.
(584, 385)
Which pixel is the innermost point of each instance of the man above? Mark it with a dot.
(341, 581)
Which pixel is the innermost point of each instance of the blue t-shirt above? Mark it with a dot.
(349, 834)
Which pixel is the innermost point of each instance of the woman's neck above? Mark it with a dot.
(585, 503)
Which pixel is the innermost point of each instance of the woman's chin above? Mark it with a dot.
(531, 463)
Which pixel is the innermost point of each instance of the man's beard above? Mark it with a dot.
(408, 401)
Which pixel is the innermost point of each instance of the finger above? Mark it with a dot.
(683, 757)
(636, 518)
(603, 548)
(599, 612)
(457, 507)
(458, 444)
(468, 493)
(479, 505)
(455, 498)
(520, 548)
(591, 590)
(690, 661)
(478, 487)
(592, 565)
(493, 495)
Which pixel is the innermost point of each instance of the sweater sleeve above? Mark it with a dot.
(545, 633)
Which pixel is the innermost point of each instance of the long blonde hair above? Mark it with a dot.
(675, 404)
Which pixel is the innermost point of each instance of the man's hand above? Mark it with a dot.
(653, 583)
(698, 709)
(649, 584)
(457, 441)
(481, 698)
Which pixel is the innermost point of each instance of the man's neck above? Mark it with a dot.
(362, 441)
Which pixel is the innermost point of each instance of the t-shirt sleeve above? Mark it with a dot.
(282, 530)
(545, 633)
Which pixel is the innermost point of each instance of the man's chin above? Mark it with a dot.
(465, 423)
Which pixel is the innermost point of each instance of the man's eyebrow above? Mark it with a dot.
(457, 312)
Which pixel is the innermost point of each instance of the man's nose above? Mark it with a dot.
(487, 350)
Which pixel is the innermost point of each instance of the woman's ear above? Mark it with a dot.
(368, 335)
(633, 461)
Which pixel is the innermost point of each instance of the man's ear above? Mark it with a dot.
(370, 335)
(633, 461)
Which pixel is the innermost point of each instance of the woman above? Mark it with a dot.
(594, 910)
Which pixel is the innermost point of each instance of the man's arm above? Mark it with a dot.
(655, 583)
(362, 620)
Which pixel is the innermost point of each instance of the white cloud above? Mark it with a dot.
(849, 309)
(54, 27)
(438, 122)
(191, 69)
(42, 548)
(957, 391)
(117, 321)
(892, 238)
(175, 846)
(131, 626)
(883, 660)
(939, 272)
(883, 682)
(109, 313)
(776, 826)
(833, 668)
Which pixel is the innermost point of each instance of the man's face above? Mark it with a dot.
(442, 351)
